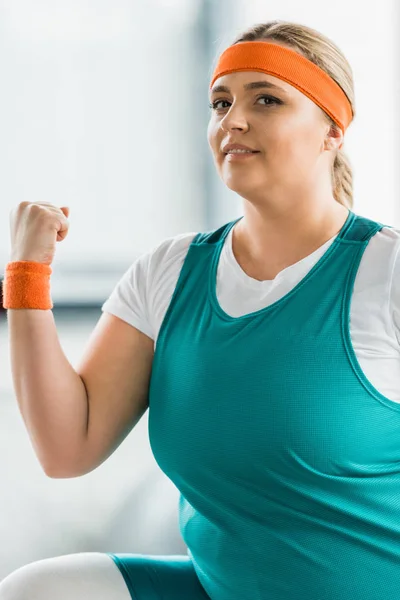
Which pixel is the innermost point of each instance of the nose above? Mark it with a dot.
(234, 119)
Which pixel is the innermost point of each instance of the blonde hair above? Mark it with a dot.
(326, 55)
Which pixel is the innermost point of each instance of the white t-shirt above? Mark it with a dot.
(142, 295)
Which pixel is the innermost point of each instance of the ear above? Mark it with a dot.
(334, 139)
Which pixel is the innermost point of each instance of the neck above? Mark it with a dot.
(273, 239)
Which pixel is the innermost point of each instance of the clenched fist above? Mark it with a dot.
(35, 228)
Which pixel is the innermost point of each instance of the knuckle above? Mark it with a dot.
(34, 206)
(21, 205)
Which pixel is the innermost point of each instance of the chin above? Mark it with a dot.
(234, 184)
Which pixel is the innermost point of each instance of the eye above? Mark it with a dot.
(213, 105)
(271, 99)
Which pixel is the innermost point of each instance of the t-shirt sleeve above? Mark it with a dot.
(128, 299)
(142, 295)
(395, 296)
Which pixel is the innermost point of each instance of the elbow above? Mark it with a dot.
(57, 472)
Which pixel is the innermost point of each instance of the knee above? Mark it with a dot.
(26, 583)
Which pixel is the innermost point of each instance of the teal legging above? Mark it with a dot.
(159, 577)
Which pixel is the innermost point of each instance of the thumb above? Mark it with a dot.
(65, 210)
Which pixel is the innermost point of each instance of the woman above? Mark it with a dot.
(274, 397)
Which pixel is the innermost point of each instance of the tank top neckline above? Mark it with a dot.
(212, 282)
(267, 284)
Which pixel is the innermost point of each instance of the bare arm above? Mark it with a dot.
(116, 369)
(77, 418)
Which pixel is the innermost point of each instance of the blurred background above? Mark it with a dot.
(104, 108)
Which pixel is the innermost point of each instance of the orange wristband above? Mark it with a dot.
(27, 285)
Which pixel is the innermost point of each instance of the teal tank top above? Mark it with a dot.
(286, 457)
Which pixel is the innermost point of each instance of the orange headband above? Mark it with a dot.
(292, 67)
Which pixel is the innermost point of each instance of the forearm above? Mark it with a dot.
(52, 397)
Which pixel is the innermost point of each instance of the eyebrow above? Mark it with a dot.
(254, 85)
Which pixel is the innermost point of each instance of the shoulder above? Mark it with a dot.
(169, 250)
(382, 254)
(145, 286)
(387, 241)
(162, 263)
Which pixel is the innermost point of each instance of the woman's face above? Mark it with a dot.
(285, 126)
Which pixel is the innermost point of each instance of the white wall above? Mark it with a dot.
(98, 111)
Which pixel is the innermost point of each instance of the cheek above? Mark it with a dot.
(293, 140)
(212, 135)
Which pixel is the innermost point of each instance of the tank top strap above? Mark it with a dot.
(215, 236)
(357, 229)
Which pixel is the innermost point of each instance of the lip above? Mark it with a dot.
(238, 157)
(234, 146)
